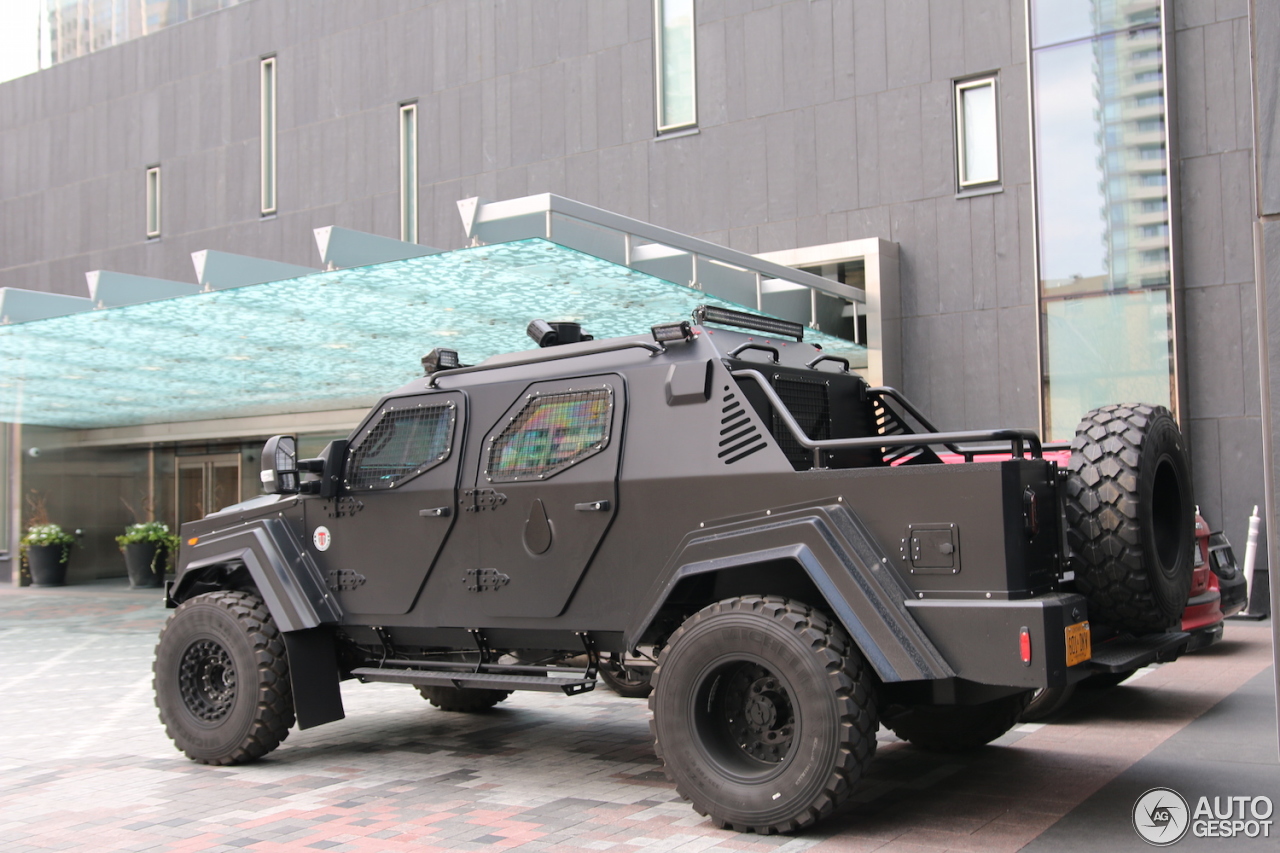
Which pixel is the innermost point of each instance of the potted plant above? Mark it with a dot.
(146, 548)
(45, 549)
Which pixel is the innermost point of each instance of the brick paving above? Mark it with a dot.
(85, 765)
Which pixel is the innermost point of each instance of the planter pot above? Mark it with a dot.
(139, 558)
(48, 565)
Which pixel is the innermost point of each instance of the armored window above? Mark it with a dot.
(403, 443)
(551, 433)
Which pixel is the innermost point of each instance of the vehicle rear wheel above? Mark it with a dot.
(632, 682)
(763, 714)
(463, 699)
(958, 728)
(1131, 516)
(222, 679)
(1046, 702)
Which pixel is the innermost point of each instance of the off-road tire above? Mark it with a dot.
(1131, 517)
(958, 728)
(467, 700)
(630, 682)
(1046, 702)
(807, 723)
(222, 679)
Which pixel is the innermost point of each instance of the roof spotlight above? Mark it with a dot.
(440, 359)
(546, 334)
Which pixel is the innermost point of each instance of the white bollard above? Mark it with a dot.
(1250, 556)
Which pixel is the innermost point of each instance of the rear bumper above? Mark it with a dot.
(980, 639)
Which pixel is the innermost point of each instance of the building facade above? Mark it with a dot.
(1071, 187)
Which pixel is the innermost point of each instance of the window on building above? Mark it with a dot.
(403, 443)
(409, 172)
(677, 91)
(977, 133)
(268, 100)
(1102, 207)
(153, 202)
(551, 433)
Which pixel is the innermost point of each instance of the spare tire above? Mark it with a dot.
(1131, 517)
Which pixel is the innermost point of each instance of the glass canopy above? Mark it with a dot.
(326, 341)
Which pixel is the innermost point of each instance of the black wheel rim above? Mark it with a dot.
(744, 714)
(207, 681)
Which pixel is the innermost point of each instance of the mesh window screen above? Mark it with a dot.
(811, 408)
(402, 444)
(550, 434)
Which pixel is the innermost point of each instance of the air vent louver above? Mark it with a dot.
(739, 437)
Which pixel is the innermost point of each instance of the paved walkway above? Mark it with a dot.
(85, 765)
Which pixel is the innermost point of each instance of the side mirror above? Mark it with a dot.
(280, 465)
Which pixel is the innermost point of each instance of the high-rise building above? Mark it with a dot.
(79, 27)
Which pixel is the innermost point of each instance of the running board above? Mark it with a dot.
(475, 680)
(1129, 653)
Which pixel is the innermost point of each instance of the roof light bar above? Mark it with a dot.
(727, 317)
(665, 333)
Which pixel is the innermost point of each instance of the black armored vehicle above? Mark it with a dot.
(796, 557)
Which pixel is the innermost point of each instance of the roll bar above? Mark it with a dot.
(1017, 438)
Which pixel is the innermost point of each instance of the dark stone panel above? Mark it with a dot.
(1019, 381)
(982, 241)
(781, 166)
(1220, 86)
(986, 35)
(843, 52)
(900, 162)
(870, 46)
(980, 358)
(1201, 222)
(907, 38)
(1215, 373)
(1191, 93)
(762, 33)
(955, 260)
(1240, 449)
(841, 161)
(946, 51)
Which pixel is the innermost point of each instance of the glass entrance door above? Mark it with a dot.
(206, 484)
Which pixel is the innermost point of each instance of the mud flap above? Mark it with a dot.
(313, 672)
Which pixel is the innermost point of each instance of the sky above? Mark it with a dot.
(19, 38)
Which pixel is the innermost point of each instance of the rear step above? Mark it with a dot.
(1126, 654)
(476, 680)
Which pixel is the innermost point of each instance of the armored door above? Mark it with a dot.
(377, 541)
(547, 486)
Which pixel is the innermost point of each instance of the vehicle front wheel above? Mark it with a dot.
(222, 679)
(763, 714)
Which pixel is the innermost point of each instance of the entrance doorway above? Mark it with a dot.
(206, 484)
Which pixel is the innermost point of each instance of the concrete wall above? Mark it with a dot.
(819, 121)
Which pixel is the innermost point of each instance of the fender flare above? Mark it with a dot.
(286, 576)
(844, 562)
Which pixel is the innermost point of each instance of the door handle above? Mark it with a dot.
(437, 512)
(592, 506)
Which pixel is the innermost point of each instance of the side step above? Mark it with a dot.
(476, 680)
(1126, 654)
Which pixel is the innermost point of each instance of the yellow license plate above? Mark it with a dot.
(1079, 649)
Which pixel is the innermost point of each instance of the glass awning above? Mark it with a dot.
(330, 340)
